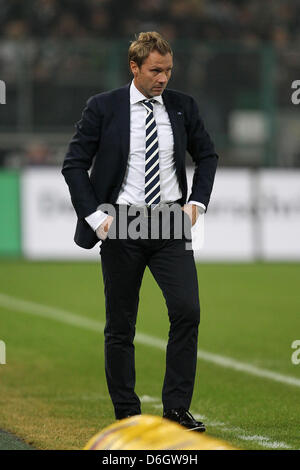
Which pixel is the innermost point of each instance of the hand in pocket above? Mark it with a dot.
(102, 230)
(192, 211)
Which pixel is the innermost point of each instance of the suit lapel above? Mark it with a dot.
(122, 117)
(174, 115)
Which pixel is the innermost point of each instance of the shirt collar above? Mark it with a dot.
(136, 96)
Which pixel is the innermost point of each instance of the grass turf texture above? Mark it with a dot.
(53, 388)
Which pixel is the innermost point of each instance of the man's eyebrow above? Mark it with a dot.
(156, 67)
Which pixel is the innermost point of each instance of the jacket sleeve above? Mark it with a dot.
(79, 159)
(201, 149)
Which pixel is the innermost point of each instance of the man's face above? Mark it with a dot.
(152, 77)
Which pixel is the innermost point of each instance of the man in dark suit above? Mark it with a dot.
(134, 140)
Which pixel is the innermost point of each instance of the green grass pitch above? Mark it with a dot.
(53, 388)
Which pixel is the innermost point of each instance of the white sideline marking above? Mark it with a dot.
(244, 367)
(240, 433)
(63, 316)
(148, 399)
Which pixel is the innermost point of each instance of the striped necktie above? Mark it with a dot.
(152, 183)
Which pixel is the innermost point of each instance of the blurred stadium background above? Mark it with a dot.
(238, 59)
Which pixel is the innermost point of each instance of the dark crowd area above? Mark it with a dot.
(237, 20)
(229, 54)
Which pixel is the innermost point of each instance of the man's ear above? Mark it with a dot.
(134, 67)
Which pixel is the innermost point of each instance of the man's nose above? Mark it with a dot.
(163, 78)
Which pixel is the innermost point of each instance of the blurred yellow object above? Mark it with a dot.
(146, 432)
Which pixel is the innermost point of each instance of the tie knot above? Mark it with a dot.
(148, 104)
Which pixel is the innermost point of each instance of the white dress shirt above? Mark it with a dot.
(133, 187)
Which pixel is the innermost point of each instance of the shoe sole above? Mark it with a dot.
(196, 429)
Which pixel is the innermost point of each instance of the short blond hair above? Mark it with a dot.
(147, 42)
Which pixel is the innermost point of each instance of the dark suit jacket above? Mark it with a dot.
(101, 143)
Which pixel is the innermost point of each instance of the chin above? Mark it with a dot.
(157, 92)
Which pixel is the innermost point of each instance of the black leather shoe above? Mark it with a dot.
(184, 417)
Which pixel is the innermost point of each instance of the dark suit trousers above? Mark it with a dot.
(173, 268)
